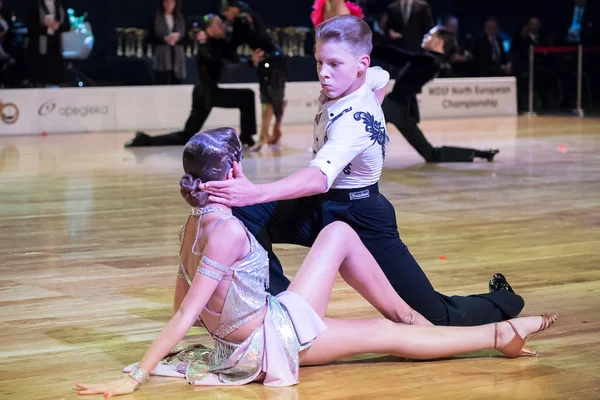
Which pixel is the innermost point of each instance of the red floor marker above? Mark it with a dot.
(44, 133)
(443, 258)
(562, 148)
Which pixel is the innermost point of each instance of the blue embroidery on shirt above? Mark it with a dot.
(348, 169)
(338, 116)
(375, 128)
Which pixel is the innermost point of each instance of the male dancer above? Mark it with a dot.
(214, 56)
(401, 108)
(341, 183)
(248, 28)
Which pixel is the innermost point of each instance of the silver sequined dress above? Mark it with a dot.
(270, 353)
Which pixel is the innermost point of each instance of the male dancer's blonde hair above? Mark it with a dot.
(351, 31)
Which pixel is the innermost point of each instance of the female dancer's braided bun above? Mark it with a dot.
(190, 190)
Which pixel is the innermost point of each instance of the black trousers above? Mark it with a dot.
(403, 112)
(203, 100)
(166, 78)
(48, 68)
(299, 222)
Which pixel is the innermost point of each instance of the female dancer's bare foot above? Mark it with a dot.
(511, 336)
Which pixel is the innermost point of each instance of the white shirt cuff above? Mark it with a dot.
(327, 168)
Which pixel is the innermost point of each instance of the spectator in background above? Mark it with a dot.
(574, 32)
(325, 9)
(529, 34)
(168, 30)
(459, 64)
(406, 22)
(4, 31)
(488, 52)
(546, 83)
(47, 19)
(463, 52)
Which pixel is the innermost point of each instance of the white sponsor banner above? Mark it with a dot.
(468, 97)
(152, 107)
(59, 110)
(33, 111)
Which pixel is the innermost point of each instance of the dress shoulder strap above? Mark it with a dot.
(226, 217)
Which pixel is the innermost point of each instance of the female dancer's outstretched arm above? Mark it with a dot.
(225, 246)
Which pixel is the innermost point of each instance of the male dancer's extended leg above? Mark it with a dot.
(203, 101)
(374, 219)
(404, 114)
(201, 106)
(242, 99)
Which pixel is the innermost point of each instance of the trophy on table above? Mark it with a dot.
(77, 44)
(301, 33)
(139, 35)
(289, 47)
(130, 42)
(120, 39)
(149, 52)
(275, 34)
(193, 41)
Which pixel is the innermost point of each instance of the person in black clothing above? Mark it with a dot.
(489, 54)
(401, 108)
(214, 56)
(405, 22)
(47, 20)
(249, 28)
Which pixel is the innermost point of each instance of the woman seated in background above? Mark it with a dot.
(169, 55)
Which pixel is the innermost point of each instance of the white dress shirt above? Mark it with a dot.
(170, 22)
(406, 10)
(349, 135)
(51, 14)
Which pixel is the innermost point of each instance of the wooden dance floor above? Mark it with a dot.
(88, 258)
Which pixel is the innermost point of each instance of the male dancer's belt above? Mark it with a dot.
(352, 194)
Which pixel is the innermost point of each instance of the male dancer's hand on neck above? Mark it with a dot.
(239, 192)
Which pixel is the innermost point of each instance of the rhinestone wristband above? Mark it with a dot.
(139, 374)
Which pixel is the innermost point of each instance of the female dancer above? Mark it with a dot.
(223, 274)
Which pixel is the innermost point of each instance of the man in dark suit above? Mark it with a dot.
(461, 63)
(546, 82)
(406, 21)
(489, 54)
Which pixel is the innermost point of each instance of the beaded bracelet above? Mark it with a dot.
(139, 374)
